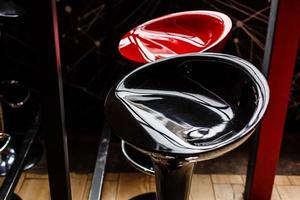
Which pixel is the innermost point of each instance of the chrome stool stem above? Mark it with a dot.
(173, 179)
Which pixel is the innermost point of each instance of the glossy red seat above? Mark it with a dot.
(177, 33)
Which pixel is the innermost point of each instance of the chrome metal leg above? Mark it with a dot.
(173, 179)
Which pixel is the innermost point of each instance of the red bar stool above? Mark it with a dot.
(177, 33)
(171, 35)
(186, 109)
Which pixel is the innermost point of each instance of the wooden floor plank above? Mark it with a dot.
(223, 191)
(109, 190)
(123, 186)
(35, 189)
(29, 175)
(244, 177)
(294, 180)
(238, 191)
(87, 189)
(282, 180)
(90, 176)
(36, 186)
(111, 176)
(275, 195)
(78, 185)
(132, 184)
(1, 179)
(202, 188)
(152, 186)
(20, 183)
(289, 192)
(222, 178)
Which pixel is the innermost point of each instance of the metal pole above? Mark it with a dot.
(99, 172)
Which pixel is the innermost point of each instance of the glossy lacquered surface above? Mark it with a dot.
(177, 33)
(189, 105)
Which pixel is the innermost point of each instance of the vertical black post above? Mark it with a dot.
(53, 122)
(265, 71)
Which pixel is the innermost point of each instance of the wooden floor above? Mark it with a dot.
(126, 185)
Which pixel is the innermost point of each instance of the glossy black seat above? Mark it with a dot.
(186, 109)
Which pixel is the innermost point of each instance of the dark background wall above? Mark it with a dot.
(90, 31)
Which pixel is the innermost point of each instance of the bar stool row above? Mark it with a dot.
(187, 108)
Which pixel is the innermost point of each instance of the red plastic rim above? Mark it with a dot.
(177, 33)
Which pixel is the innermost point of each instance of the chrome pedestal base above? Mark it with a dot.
(173, 176)
(7, 159)
(173, 180)
(146, 196)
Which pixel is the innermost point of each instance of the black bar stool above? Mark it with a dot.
(169, 35)
(8, 9)
(15, 95)
(186, 109)
(20, 107)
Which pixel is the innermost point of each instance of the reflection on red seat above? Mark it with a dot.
(178, 33)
